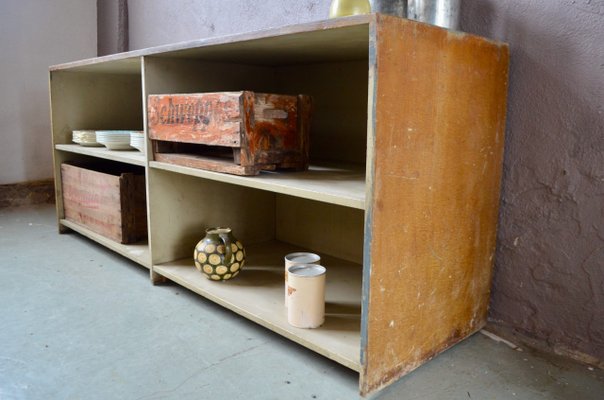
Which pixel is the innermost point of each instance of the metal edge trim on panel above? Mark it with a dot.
(370, 170)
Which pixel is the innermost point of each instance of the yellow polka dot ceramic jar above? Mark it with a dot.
(219, 256)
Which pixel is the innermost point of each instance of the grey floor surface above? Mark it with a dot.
(80, 322)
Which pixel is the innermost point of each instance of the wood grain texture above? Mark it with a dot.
(439, 130)
(271, 134)
(110, 205)
(204, 118)
(301, 153)
(134, 207)
(92, 199)
(266, 131)
(206, 163)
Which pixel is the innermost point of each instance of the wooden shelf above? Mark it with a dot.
(126, 156)
(258, 294)
(342, 185)
(138, 252)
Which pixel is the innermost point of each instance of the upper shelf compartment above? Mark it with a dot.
(328, 61)
(100, 96)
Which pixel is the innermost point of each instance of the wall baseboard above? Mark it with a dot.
(27, 193)
(516, 339)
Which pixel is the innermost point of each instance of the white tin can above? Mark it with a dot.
(306, 292)
(297, 259)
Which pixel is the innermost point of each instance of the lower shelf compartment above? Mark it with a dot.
(137, 252)
(258, 294)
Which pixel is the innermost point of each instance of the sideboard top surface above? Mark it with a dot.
(340, 39)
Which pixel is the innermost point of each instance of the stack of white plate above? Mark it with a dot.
(114, 140)
(137, 140)
(85, 138)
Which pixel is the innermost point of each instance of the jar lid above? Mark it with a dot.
(307, 270)
(303, 257)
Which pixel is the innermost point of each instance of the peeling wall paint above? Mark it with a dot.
(549, 268)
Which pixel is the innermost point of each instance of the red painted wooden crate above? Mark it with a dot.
(234, 132)
(108, 201)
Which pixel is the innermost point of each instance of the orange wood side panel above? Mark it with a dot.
(439, 133)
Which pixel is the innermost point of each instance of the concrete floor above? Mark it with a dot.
(80, 322)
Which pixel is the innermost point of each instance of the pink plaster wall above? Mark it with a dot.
(549, 277)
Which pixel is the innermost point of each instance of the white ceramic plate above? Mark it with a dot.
(113, 140)
(112, 135)
(118, 146)
(138, 144)
(91, 144)
(85, 138)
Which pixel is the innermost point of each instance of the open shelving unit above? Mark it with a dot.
(400, 201)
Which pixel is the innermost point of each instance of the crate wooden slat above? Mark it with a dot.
(213, 119)
(205, 163)
(111, 205)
